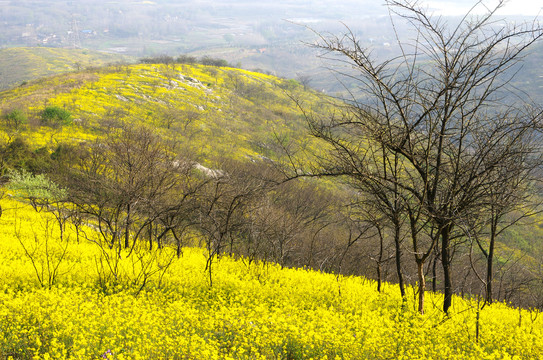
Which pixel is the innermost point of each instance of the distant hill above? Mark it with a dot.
(529, 78)
(20, 64)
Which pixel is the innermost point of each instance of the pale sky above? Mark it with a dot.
(513, 7)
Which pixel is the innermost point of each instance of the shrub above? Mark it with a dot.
(15, 118)
(158, 59)
(18, 155)
(206, 60)
(55, 116)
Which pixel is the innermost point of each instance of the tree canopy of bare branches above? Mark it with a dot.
(435, 135)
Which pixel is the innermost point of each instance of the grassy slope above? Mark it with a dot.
(22, 64)
(242, 112)
(253, 310)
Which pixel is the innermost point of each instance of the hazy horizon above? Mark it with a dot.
(253, 35)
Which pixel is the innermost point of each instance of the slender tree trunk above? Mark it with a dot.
(127, 228)
(61, 226)
(434, 267)
(398, 258)
(380, 259)
(210, 274)
(150, 233)
(179, 245)
(378, 277)
(489, 277)
(445, 261)
(489, 264)
(422, 284)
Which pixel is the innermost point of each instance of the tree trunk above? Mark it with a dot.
(489, 270)
(398, 259)
(422, 285)
(150, 234)
(378, 277)
(434, 270)
(127, 228)
(380, 259)
(178, 243)
(445, 261)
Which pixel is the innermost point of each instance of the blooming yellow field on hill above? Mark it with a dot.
(242, 112)
(62, 300)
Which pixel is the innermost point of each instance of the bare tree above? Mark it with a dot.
(126, 182)
(224, 207)
(428, 111)
(510, 202)
(297, 213)
(42, 193)
(304, 79)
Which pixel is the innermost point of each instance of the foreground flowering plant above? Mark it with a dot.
(256, 311)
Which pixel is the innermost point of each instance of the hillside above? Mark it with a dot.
(131, 190)
(22, 64)
(187, 208)
(230, 125)
(236, 108)
(213, 116)
(59, 301)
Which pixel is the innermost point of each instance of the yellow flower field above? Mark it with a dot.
(242, 111)
(58, 301)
